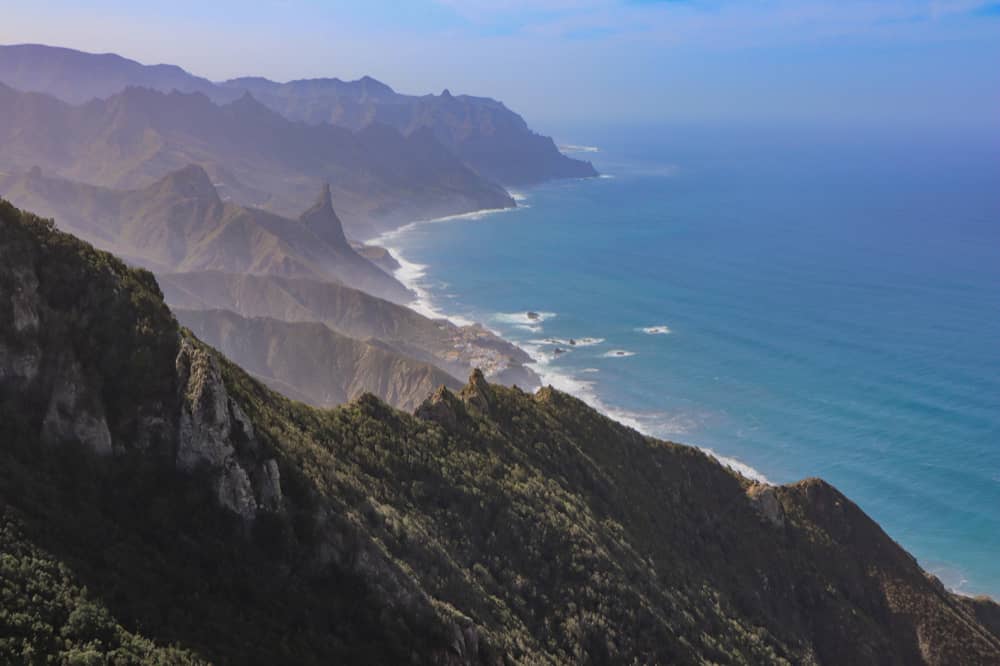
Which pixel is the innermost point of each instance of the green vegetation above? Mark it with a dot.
(493, 526)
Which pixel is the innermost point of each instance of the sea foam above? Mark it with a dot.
(413, 275)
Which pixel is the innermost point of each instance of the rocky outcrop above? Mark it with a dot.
(764, 498)
(499, 527)
(216, 436)
(75, 413)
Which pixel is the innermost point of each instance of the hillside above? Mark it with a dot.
(180, 223)
(159, 505)
(455, 349)
(311, 363)
(256, 157)
(482, 132)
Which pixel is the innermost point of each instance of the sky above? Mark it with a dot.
(567, 63)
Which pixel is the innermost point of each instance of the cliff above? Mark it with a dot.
(356, 314)
(181, 223)
(159, 504)
(495, 141)
(259, 158)
(312, 363)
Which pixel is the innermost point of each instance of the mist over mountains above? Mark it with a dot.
(256, 157)
(483, 133)
(190, 178)
(225, 437)
(159, 505)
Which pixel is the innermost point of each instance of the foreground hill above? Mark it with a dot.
(258, 157)
(312, 363)
(180, 223)
(159, 505)
(482, 132)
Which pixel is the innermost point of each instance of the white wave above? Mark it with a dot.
(574, 148)
(662, 329)
(413, 276)
(389, 239)
(569, 342)
(618, 353)
(519, 197)
(529, 319)
(606, 176)
(737, 466)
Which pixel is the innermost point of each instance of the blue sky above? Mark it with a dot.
(569, 62)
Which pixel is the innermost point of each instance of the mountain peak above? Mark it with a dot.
(323, 220)
(191, 182)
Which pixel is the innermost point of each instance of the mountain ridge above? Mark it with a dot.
(483, 132)
(382, 178)
(310, 362)
(180, 223)
(356, 314)
(139, 466)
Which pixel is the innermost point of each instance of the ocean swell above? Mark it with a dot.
(414, 276)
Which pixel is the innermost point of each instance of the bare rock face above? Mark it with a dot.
(268, 485)
(24, 300)
(215, 434)
(765, 500)
(442, 407)
(203, 435)
(75, 414)
(20, 361)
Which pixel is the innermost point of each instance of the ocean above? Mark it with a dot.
(800, 303)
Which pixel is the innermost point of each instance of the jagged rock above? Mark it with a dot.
(24, 300)
(442, 407)
(268, 484)
(74, 415)
(764, 498)
(203, 435)
(211, 427)
(478, 392)
(235, 492)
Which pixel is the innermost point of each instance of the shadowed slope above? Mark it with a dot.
(382, 178)
(180, 223)
(202, 510)
(482, 132)
(310, 362)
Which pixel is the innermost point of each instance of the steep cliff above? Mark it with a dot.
(181, 223)
(482, 132)
(160, 504)
(310, 362)
(455, 349)
(382, 177)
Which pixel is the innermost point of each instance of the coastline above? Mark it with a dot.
(579, 385)
(412, 274)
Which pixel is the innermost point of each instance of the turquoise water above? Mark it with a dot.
(815, 305)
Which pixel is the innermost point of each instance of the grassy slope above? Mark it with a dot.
(530, 524)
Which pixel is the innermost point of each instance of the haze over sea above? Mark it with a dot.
(807, 303)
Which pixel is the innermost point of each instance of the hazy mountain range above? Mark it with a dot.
(180, 223)
(482, 132)
(159, 505)
(312, 363)
(215, 255)
(354, 313)
(379, 177)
